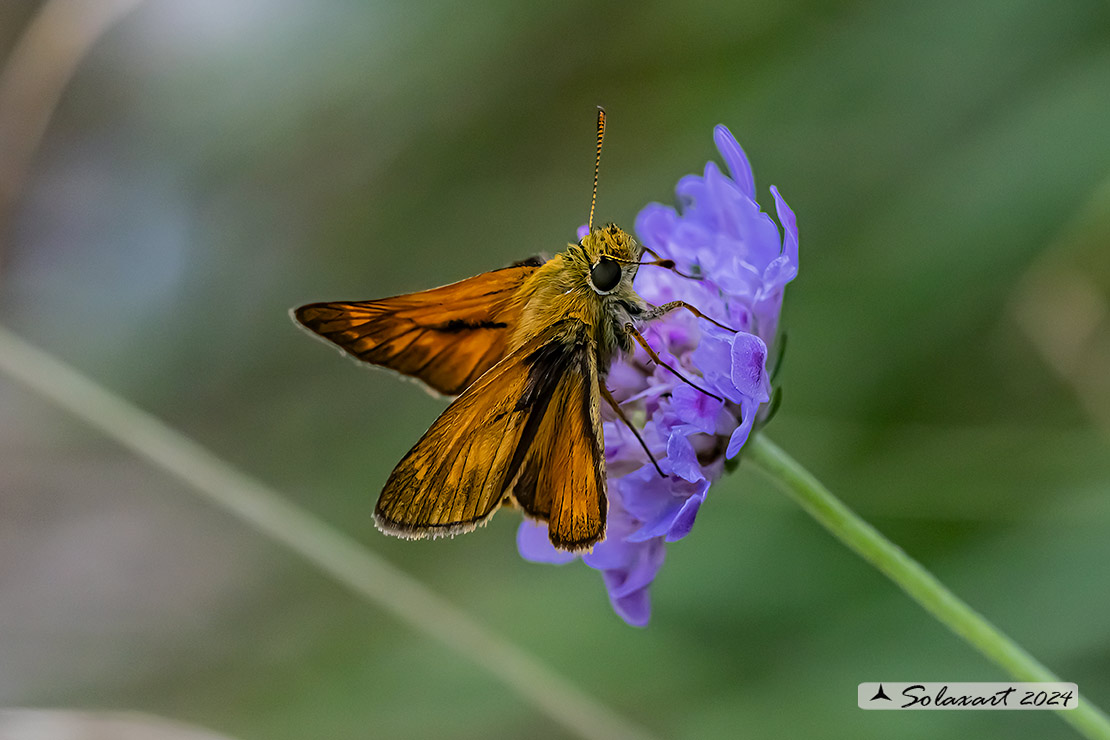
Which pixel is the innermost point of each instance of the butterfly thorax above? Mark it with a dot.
(592, 282)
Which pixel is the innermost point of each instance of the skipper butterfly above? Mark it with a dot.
(526, 349)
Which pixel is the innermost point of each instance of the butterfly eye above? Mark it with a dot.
(605, 275)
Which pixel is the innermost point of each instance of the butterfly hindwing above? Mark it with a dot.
(447, 337)
(528, 429)
(454, 478)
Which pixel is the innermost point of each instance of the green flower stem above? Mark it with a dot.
(912, 577)
(333, 553)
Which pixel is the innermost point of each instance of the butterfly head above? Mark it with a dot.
(612, 258)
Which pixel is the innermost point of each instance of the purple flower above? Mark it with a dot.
(743, 261)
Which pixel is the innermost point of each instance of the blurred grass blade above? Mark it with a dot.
(36, 73)
(333, 552)
(912, 577)
(62, 724)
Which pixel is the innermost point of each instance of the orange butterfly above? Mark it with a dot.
(528, 347)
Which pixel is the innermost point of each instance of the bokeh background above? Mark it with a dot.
(212, 164)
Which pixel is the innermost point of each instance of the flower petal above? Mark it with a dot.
(748, 412)
(633, 608)
(696, 408)
(533, 544)
(749, 367)
(684, 461)
(684, 521)
(789, 225)
(643, 561)
(655, 224)
(665, 511)
(735, 159)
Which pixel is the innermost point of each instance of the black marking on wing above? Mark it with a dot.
(546, 367)
(457, 325)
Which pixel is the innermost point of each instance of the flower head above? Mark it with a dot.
(742, 264)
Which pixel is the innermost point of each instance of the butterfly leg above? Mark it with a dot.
(620, 412)
(667, 264)
(666, 308)
(631, 330)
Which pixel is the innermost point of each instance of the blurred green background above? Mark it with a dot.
(212, 164)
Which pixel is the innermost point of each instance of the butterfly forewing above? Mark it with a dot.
(562, 476)
(447, 337)
(528, 427)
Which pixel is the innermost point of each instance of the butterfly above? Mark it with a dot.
(526, 349)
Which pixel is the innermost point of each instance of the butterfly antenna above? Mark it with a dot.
(597, 162)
